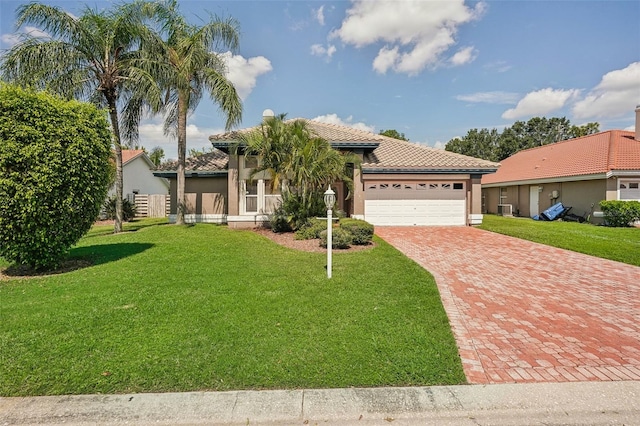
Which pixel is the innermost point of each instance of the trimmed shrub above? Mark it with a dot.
(340, 238)
(280, 221)
(361, 231)
(54, 174)
(311, 229)
(293, 213)
(620, 213)
(128, 209)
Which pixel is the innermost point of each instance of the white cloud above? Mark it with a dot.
(11, 40)
(334, 119)
(386, 59)
(464, 56)
(319, 15)
(540, 102)
(320, 50)
(36, 32)
(415, 33)
(151, 135)
(439, 145)
(617, 94)
(498, 66)
(243, 73)
(496, 97)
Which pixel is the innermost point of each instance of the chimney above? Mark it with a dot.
(638, 122)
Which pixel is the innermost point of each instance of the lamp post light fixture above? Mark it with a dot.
(329, 201)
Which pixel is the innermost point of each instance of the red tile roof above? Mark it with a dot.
(594, 154)
(130, 154)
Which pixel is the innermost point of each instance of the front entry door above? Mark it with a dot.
(534, 200)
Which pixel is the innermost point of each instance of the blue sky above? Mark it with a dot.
(429, 69)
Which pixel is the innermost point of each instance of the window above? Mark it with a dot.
(422, 186)
(384, 186)
(623, 186)
(633, 185)
(407, 186)
(374, 186)
(433, 186)
(446, 186)
(458, 186)
(397, 186)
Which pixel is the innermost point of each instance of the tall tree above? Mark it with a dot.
(538, 131)
(185, 63)
(156, 155)
(92, 58)
(477, 143)
(392, 133)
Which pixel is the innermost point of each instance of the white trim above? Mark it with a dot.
(547, 180)
(475, 219)
(623, 173)
(200, 218)
(248, 218)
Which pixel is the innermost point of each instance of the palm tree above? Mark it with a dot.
(156, 156)
(185, 64)
(290, 151)
(91, 58)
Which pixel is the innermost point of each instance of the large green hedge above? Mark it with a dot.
(54, 174)
(620, 213)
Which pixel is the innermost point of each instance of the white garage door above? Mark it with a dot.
(415, 204)
(630, 190)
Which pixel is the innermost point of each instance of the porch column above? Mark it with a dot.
(612, 188)
(475, 200)
(358, 194)
(233, 187)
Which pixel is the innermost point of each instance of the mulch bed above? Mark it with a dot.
(287, 239)
(22, 271)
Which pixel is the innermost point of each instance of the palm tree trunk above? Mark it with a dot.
(182, 147)
(113, 113)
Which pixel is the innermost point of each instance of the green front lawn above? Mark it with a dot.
(168, 308)
(620, 244)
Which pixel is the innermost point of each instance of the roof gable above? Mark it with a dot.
(599, 153)
(130, 155)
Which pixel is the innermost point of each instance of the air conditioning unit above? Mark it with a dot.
(505, 209)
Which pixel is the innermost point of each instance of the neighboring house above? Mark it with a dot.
(400, 183)
(138, 177)
(578, 172)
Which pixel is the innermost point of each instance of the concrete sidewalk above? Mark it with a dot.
(590, 403)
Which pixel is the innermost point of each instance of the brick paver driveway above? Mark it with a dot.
(525, 312)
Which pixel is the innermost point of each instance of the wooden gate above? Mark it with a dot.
(152, 205)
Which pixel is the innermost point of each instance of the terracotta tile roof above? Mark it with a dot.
(214, 161)
(594, 154)
(387, 153)
(130, 154)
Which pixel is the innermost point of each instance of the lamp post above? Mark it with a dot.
(329, 201)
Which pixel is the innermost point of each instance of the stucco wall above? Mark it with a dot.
(579, 195)
(205, 195)
(138, 176)
(491, 200)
